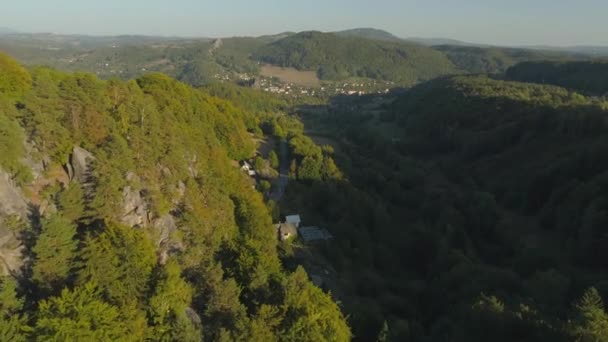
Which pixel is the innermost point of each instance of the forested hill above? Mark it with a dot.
(476, 211)
(496, 60)
(590, 77)
(370, 33)
(337, 57)
(123, 219)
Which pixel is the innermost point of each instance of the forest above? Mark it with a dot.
(335, 56)
(156, 236)
(338, 57)
(468, 209)
(588, 77)
(462, 208)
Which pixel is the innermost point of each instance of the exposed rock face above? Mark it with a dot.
(135, 208)
(80, 164)
(12, 203)
(10, 252)
(163, 228)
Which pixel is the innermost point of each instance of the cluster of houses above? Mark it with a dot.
(277, 87)
(291, 229)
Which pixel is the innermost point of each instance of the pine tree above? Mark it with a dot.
(120, 261)
(168, 307)
(13, 326)
(592, 320)
(81, 315)
(54, 253)
(71, 202)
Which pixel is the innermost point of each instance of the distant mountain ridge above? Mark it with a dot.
(442, 41)
(341, 56)
(369, 33)
(6, 30)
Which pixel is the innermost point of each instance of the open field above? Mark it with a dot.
(291, 75)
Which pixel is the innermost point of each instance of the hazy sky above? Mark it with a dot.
(507, 22)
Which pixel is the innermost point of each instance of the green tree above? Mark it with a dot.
(311, 315)
(384, 333)
(54, 253)
(264, 186)
(13, 326)
(12, 149)
(591, 321)
(14, 79)
(81, 315)
(168, 307)
(120, 261)
(273, 159)
(310, 169)
(259, 163)
(71, 202)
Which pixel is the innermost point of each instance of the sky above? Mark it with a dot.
(499, 22)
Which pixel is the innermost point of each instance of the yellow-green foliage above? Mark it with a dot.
(14, 79)
(92, 278)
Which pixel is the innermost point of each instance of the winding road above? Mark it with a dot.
(281, 182)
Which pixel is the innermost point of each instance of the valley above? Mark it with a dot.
(302, 186)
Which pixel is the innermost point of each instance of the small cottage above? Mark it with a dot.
(314, 234)
(293, 219)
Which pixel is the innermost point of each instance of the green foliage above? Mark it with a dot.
(492, 60)
(13, 326)
(120, 261)
(14, 79)
(335, 58)
(165, 148)
(264, 186)
(71, 202)
(592, 320)
(475, 184)
(273, 158)
(81, 315)
(583, 76)
(168, 305)
(54, 253)
(311, 315)
(12, 149)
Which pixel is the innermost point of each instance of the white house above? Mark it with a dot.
(245, 166)
(293, 219)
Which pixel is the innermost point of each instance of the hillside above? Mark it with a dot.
(441, 41)
(588, 77)
(357, 53)
(369, 33)
(495, 60)
(123, 218)
(335, 58)
(494, 190)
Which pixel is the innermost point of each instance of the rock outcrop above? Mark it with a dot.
(12, 203)
(80, 162)
(163, 229)
(135, 208)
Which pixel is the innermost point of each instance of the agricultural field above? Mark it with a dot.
(291, 75)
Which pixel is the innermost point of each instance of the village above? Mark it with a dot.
(327, 89)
